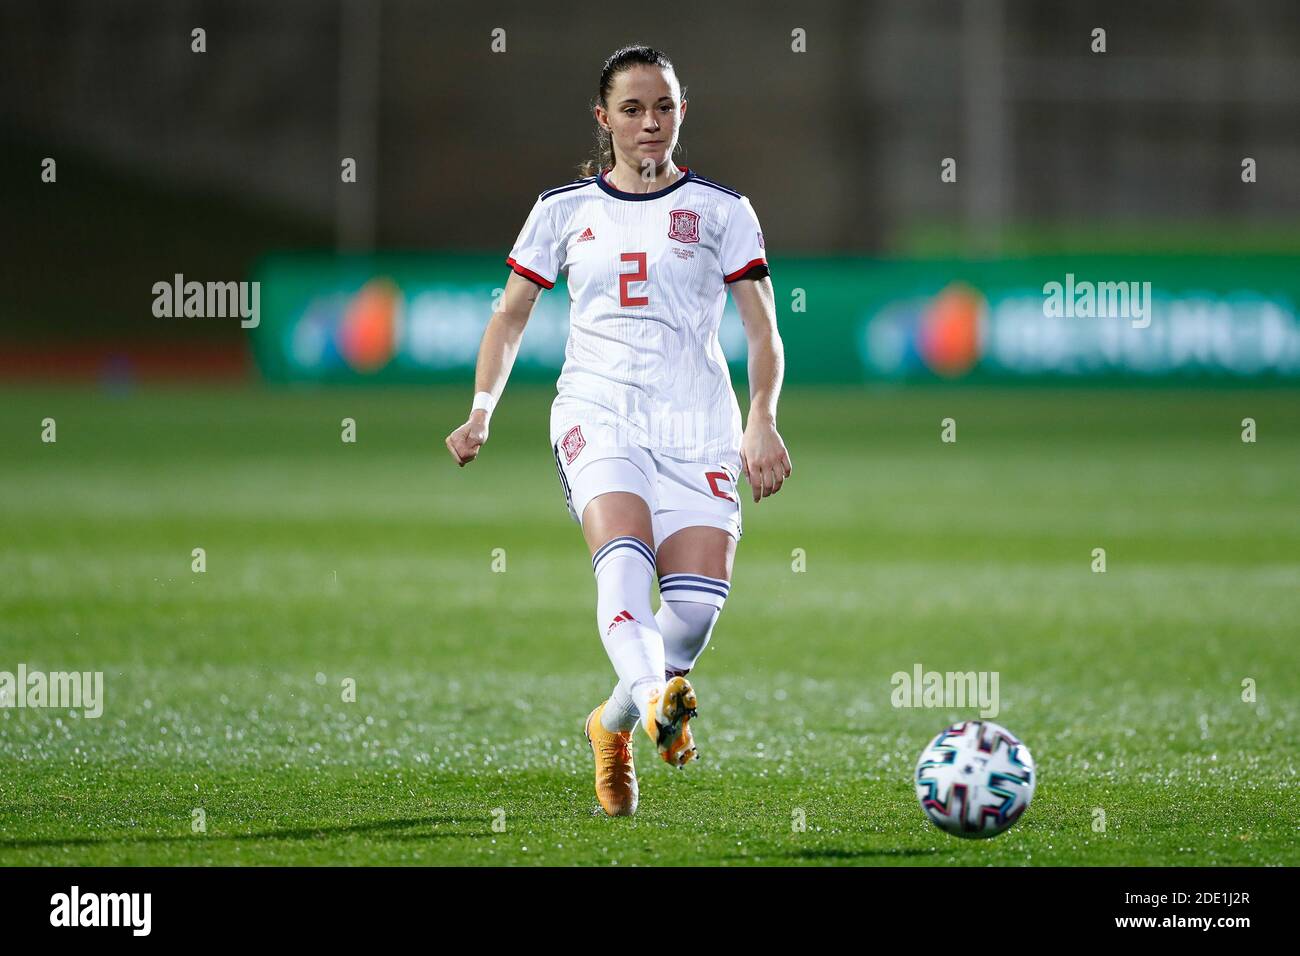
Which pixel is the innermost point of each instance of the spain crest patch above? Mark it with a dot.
(684, 225)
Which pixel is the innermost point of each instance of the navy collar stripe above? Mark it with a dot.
(687, 177)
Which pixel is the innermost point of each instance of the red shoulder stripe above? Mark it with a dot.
(529, 274)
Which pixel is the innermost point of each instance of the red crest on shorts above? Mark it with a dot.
(572, 443)
(713, 477)
(684, 225)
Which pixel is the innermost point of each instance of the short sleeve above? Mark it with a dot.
(743, 255)
(534, 253)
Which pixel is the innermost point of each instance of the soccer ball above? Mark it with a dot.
(975, 779)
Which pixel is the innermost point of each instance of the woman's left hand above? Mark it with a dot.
(764, 458)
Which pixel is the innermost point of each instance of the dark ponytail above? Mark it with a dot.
(618, 62)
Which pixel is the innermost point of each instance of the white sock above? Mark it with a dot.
(620, 713)
(690, 608)
(624, 568)
(686, 626)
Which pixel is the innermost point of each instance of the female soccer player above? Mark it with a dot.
(645, 427)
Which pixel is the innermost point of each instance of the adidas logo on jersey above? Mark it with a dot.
(586, 234)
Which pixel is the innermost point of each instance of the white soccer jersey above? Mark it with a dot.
(647, 278)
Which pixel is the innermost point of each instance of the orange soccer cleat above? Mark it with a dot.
(616, 787)
(668, 722)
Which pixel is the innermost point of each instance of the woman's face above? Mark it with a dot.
(644, 115)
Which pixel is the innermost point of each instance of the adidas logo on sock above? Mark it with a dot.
(619, 618)
(586, 234)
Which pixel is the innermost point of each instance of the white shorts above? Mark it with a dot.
(680, 494)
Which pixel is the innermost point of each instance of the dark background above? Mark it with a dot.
(173, 161)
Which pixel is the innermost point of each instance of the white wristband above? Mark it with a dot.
(485, 401)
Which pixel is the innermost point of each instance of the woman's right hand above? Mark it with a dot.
(465, 442)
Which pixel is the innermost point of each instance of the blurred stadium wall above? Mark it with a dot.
(224, 165)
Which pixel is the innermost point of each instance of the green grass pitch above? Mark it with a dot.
(373, 562)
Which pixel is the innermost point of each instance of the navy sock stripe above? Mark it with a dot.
(615, 546)
(631, 544)
(608, 544)
(691, 587)
(612, 552)
(674, 578)
(627, 539)
(693, 577)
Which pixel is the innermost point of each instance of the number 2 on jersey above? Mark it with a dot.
(625, 277)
